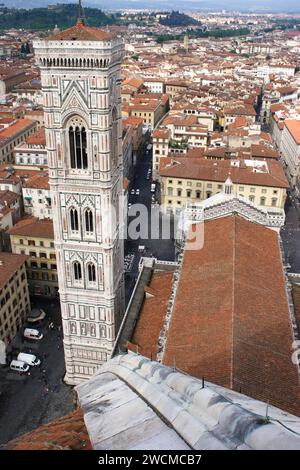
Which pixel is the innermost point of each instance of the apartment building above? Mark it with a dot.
(161, 138)
(175, 87)
(34, 237)
(290, 149)
(155, 85)
(205, 115)
(33, 152)
(136, 125)
(188, 179)
(37, 196)
(148, 107)
(186, 131)
(232, 112)
(14, 295)
(9, 78)
(14, 135)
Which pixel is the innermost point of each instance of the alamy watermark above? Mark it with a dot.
(140, 222)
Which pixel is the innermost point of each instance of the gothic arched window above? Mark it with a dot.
(89, 221)
(77, 271)
(78, 147)
(91, 272)
(74, 220)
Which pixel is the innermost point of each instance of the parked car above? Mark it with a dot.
(29, 359)
(137, 192)
(36, 315)
(19, 366)
(31, 333)
(132, 192)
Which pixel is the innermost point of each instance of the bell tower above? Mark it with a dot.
(80, 73)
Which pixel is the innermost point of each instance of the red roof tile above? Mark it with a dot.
(33, 227)
(152, 314)
(68, 433)
(9, 265)
(81, 32)
(231, 320)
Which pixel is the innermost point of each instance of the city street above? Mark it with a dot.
(28, 401)
(290, 234)
(159, 248)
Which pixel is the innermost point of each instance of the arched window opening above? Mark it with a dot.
(91, 272)
(77, 271)
(78, 147)
(74, 220)
(89, 221)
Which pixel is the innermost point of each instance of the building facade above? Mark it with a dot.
(14, 135)
(37, 196)
(14, 295)
(290, 149)
(33, 152)
(80, 72)
(188, 180)
(34, 238)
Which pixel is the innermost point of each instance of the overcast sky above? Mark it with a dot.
(260, 5)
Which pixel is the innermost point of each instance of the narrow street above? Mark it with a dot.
(159, 248)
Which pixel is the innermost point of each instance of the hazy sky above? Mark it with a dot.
(271, 5)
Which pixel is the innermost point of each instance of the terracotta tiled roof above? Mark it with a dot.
(286, 90)
(133, 82)
(38, 182)
(81, 32)
(68, 433)
(134, 121)
(293, 127)
(39, 138)
(16, 173)
(231, 321)
(33, 227)
(209, 170)
(263, 151)
(8, 197)
(161, 134)
(9, 265)
(195, 152)
(246, 110)
(13, 130)
(152, 314)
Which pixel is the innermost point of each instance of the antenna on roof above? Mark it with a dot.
(80, 19)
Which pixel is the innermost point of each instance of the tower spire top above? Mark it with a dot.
(80, 19)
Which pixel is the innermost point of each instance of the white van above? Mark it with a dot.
(29, 359)
(30, 333)
(19, 366)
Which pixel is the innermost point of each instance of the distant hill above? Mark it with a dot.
(179, 19)
(43, 18)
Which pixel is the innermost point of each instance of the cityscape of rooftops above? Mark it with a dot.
(149, 230)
